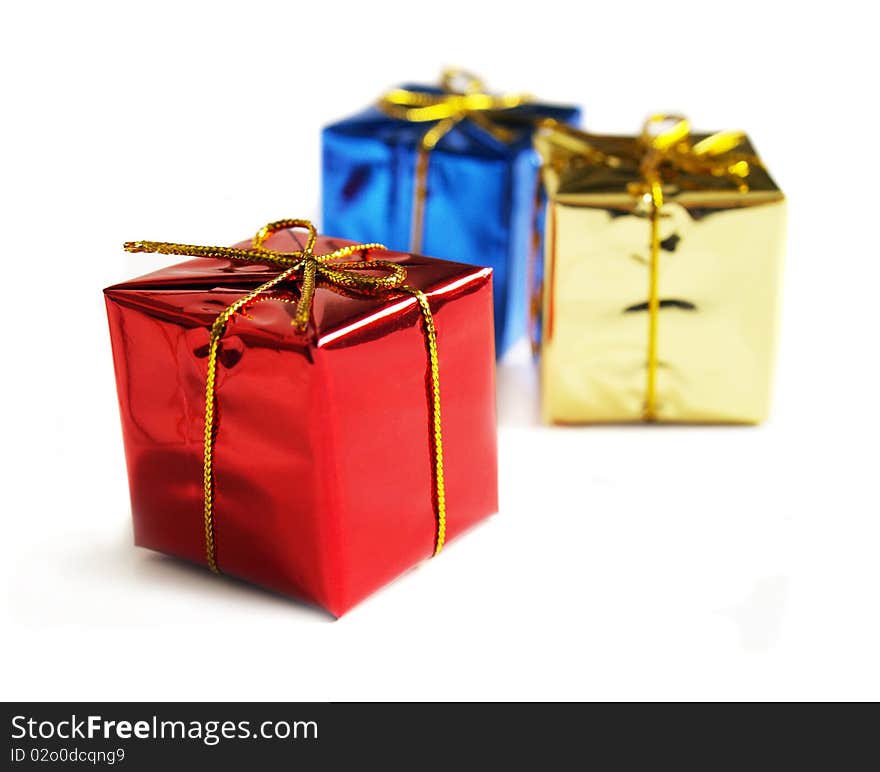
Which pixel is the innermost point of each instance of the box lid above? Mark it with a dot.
(576, 170)
(466, 138)
(196, 291)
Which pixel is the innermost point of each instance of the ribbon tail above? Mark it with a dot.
(420, 184)
(436, 423)
(304, 306)
(211, 417)
(420, 193)
(650, 411)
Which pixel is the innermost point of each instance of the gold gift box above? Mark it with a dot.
(716, 264)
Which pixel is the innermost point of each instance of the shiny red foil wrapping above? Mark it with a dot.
(323, 455)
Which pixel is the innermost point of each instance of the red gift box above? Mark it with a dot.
(324, 483)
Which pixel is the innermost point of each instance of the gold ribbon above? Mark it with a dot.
(666, 140)
(464, 97)
(663, 152)
(312, 270)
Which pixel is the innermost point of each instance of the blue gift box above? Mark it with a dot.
(480, 206)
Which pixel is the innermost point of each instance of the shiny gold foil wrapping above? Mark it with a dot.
(719, 267)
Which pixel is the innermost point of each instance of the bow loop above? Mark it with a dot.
(458, 81)
(286, 224)
(663, 132)
(719, 143)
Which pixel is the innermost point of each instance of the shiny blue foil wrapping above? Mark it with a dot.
(480, 206)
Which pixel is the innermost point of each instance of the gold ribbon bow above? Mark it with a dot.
(663, 152)
(464, 97)
(312, 270)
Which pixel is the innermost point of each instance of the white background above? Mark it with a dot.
(626, 563)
